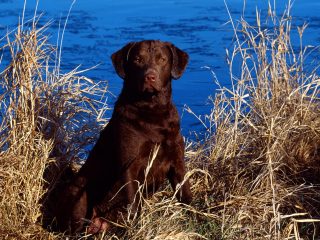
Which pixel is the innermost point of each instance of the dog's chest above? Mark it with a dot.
(157, 125)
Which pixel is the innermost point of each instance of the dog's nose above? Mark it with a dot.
(150, 77)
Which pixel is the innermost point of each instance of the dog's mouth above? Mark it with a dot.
(148, 95)
(149, 88)
(151, 82)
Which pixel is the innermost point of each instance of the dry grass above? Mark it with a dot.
(256, 177)
(264, 153)
(47, 120)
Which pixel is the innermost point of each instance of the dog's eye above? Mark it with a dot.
(138, 59)
(163, 59)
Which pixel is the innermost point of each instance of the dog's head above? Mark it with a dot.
(149, 66)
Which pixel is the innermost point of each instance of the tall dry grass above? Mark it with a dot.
(264, 154)
(48, 120)
(256, 177)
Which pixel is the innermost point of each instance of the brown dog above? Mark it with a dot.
(144, 116)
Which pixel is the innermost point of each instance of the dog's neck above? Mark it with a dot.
(146, 100)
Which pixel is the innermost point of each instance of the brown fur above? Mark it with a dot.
(143, 117)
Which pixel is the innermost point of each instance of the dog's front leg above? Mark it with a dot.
(177, 173)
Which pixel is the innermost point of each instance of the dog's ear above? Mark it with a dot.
(179, 61)
(120, 58)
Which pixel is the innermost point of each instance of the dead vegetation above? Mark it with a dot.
(264, 153)
(47, 120)
(256, 177)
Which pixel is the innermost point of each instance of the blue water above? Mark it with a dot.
(97, 28)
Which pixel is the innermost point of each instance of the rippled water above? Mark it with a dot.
(97, 28)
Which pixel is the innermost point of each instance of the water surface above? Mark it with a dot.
(97, 28)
